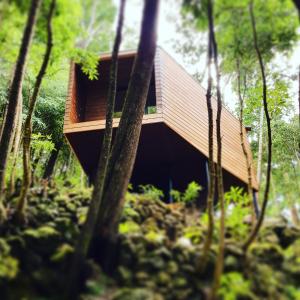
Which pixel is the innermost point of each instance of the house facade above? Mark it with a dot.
(173, 146)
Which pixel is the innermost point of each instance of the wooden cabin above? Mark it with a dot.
(173, 146)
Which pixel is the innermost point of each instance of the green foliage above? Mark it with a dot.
(128, 227)
(190, 195)
(88, 62)
(154, 237)
(234, 286)
(61, 252)
(151, 192)
(151, 110)
(9, 266)
(117, 114)
(194, 234)
(236, 195)
(41, 143)
(176, 195)
(238, 207)
(41, 232)
(292, 292)
(192, 192)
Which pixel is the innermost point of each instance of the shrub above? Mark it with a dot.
(151, 192)
(192, 192)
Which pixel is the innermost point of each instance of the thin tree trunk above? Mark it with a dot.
(294, 214)
(67, 165)
(52, 161)
(256, 229)
(34, 166)
(297, 3)
(4, 112)
(211, 165)
(242, 137)
(17, 139)
(299, 104)
(86, 235)
(260, 144)
(13, 98)
(220, 258)
(21, 205)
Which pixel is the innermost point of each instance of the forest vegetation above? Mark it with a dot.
(66, 236)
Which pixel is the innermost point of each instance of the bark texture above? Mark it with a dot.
(13, 98)
(242, 137)
(48, 172)
(256, 229)
(16, 147)
(260, 144)
(86, 235)
(126, 142)
(220, 258)
(27, 178)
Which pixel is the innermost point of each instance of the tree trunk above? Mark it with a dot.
(211, 165)
(242, 137)
(52, 161)
(256, 229)
(86, 235)
(220, 258)
(260, 144)
(66, 169)
(299, 104)
(127, 138)
(21, 205)
(297, 3)
(34, 166)
(16, 147)
(13, 98)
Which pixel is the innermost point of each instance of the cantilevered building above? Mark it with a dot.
(173, 146)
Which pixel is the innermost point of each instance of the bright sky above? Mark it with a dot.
(169, 11)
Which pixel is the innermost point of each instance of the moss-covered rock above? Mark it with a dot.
(136, 294)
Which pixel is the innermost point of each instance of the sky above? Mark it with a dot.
(167, 34)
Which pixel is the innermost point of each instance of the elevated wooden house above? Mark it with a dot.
(173, 146)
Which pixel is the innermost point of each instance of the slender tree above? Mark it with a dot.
(13, 98)
(16, 147)
(260, 144)
(125, 147)
(220, 258)
(28, 122)
(297, 3)
(299, 102)
(242, 137)
(211, 165)
(88, 228)
(48, 172)
(256, 229)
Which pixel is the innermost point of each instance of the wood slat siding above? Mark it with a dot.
(74, 109)
(95, 98)
(68, 114)
(157, 75)
(181, 104)
(185, 111)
